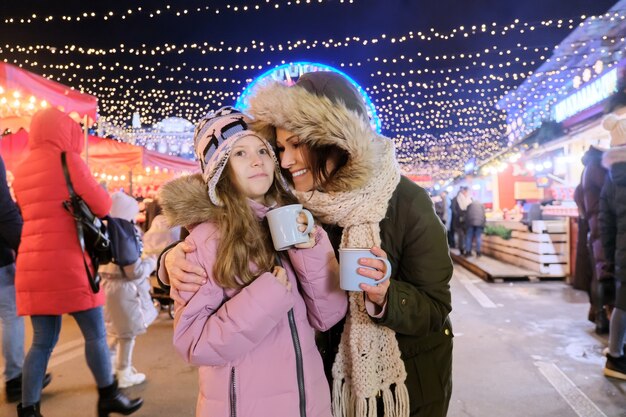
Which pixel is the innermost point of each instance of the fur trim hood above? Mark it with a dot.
(317, 120)
(185, 201)
(615, 161)
(614, 156)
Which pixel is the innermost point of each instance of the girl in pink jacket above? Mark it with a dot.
(251, 327)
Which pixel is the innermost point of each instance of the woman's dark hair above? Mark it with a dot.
(317, 159)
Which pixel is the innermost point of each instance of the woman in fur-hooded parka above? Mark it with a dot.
(51, 277)
(322, 109)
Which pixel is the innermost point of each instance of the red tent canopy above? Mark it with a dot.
(111, 161)
(23, 93)
(14, 148)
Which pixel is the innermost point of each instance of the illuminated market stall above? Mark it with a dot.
(552, 119)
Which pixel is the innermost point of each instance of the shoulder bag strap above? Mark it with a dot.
(79, 226)
(66, 173)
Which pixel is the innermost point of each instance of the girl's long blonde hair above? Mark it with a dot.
(243, 238)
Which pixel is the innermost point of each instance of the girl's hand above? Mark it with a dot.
(312, 236)
(281, 276)
(377, 294)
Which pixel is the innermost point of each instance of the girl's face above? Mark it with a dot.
(252, 167)
(294, 158)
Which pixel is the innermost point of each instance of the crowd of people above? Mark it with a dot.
(464, 218)
(241, 305)
(601, 263)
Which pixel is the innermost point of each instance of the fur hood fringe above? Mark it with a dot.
(614, 156)
(317, 120)
(185, 201)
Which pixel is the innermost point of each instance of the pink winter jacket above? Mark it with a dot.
(242, 340)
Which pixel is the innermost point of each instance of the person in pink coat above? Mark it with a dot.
(251, 327)
(50, 278)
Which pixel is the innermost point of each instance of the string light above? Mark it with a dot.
(166, 11)
(441, 108)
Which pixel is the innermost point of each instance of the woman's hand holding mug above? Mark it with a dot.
(183, 275)
(377, 270)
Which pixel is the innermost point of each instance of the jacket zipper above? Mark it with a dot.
(299, 366)
(298, 351)
(233, 393)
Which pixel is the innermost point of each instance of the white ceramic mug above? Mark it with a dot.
(283, 222)
(349, 278)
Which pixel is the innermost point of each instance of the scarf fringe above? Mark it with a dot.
(388, 404)
(345, 404)
(341, 398)
(402, 401)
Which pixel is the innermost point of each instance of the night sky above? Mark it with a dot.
(441, 117)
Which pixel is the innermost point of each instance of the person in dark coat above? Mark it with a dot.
(346, 174)
(475, 220)
(602, 284)
(612, 221)
(459, 207)
(583, 270)
(12, 324)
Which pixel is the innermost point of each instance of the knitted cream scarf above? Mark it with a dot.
(368, 361)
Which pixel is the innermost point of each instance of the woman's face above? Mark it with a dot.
(294, 158)
(252, 167)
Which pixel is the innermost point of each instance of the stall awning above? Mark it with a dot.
(23, 93)
(105, 156)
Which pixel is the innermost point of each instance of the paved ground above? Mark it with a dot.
(522, 349)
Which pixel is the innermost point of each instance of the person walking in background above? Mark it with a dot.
(475, 222)
(50, 277)
(152, 209)
(159, 236)
(443, 210)
(612, 219)
(12, 325)
(601, 287)
(459, 207)
(255, 316)
(582, 269)
(398, 332)
(128, 310)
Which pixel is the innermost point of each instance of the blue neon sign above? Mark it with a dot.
(587, 96)
(289, 74)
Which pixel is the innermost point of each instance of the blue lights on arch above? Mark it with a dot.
(289, 73)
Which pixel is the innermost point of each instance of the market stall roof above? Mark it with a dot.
(22, 93)
(104, 156)
(594, 49)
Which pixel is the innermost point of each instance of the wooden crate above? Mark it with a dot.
(549, 226)
(546, 253)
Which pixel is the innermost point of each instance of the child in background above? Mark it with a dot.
(159, 236)
(251, 327)
(128, 310)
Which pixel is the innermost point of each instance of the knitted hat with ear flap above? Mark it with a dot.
(617, 129)
(124, 206)
(214, 137)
